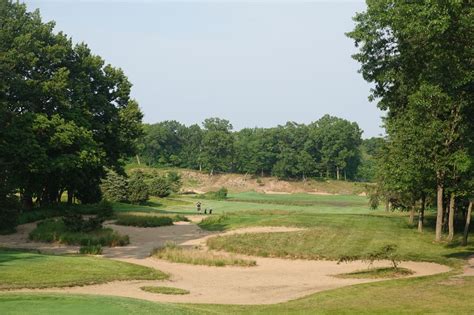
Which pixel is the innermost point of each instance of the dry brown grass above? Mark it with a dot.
(195, 256)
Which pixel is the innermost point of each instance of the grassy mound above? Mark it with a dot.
(54, 230)
(165, 290)
(143, 221)
(330, 236)
(377, 273)
(177, 254)
(20, 269)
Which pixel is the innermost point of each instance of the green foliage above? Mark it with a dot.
(386, 252)
(328, 147)
(114, 187)
(174, 180)
(66, 116)
(91, 250)
(137, 188)
(418, 55)
(54, 230)
(220, 194)
(9, 215)
(160, 187)
(105, 209)
(74, 222)
(143, 221)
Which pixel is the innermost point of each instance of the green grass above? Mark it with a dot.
(54, 230)
(426, 295)
(20, 269)
(143, 221)
(165, 290)
(331, 236)
(62, 304)
(377, 273)
(252, 201)
(193, 256)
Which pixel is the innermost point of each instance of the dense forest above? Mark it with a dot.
(330, 147)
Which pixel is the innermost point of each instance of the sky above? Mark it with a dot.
(257, 64)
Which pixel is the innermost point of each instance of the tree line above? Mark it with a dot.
(65, 115)
(328, 147)
(420, 57)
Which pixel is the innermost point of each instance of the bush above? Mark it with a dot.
(54, 230)
(137, 188)
(144, 221)
(9, 214)
(160, 187)
(174, 181)
(91, 250)
(221, 194)
(105, 209)
(75, 223)
(179, 217)
(114, 187)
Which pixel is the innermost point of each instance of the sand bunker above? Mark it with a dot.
(273, 280)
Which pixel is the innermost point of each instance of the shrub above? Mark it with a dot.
(54, 230)
(114, 187)
(174, 181)
(179, 217)
(160, 187)
(9, 214)
(105, 209)
(386, 252)
(144, 221)
(221, 194)
(74, 222)
(91, 250)
(137, 188)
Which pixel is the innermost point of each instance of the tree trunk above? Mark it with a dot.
(466, 226)
(70, 196)
(26, 201)
(345, 175)
(138, 159)
(412, 215)
(337, 172)
(387, 205)
(451, 218)
(439, 214)
(421, 215)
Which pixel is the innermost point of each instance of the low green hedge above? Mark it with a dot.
(143, 221)
(54, 230)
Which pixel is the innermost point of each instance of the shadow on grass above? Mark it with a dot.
(9, 255)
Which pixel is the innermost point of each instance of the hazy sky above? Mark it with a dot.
(254, 63)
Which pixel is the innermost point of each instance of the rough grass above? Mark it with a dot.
(332, 236)
(194, 256)
(143, 221)
(54, 230)
(377, 273)
(165, 290)
(21, 269)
